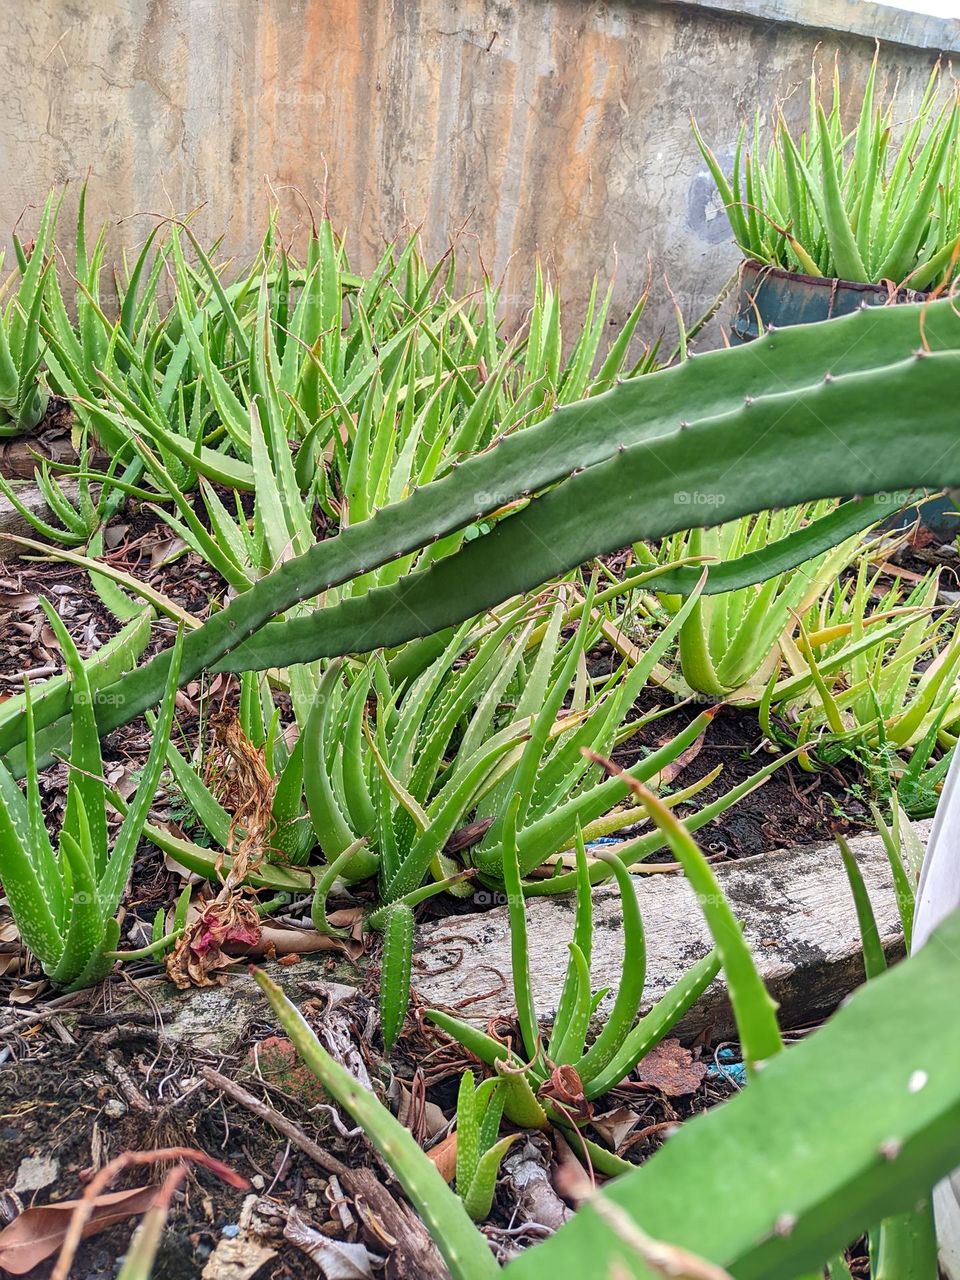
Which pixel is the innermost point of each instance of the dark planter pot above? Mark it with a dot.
(771, 297)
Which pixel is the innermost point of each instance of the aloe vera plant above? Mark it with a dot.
(64, 902)
(921, 777)
(852, 204)
(80, 513)
(394, 366)
(479, 1152)
(872, 680)
(395, 774)
(23, 392)
(731, 643)
(573, 459)
(553, 1081)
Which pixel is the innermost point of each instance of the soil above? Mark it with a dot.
(123, 1086)
(791, 807)
(72, 1102)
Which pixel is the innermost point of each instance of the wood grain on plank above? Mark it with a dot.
(795, 905)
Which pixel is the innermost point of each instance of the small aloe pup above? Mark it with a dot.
(562, 1075)
(479, 1111)
(65, 902)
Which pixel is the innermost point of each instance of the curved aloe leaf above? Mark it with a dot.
(829, 1140)
(464, 1250)
(753, 1007)
(759, 416)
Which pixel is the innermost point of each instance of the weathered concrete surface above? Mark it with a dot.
(795, 905)
(558, 125)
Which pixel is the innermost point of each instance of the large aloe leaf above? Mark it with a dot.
(784, 420)
(825, 1142)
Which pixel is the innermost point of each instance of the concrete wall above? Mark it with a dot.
(551, 125)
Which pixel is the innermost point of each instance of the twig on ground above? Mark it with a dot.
(330, 1164)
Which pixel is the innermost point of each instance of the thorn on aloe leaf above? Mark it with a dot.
(784, 1225)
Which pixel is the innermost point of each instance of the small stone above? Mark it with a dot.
(230, 1231)
(258, 1182)
(35, 1173)
(114, 1108)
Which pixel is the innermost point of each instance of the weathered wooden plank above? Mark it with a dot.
(795, 904)
(798, 917)
(11, 521)
(21, 455)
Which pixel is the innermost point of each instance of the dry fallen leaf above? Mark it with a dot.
(423, 1118)
(671, 1068)
(18, 601)
(114, 534)
(27, 992)
(165, 550)
(675, 767)
(614, 1126)
(338, 1260)
(11, 952)
(444, 1156)
(39, 1232)
(283, 940)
